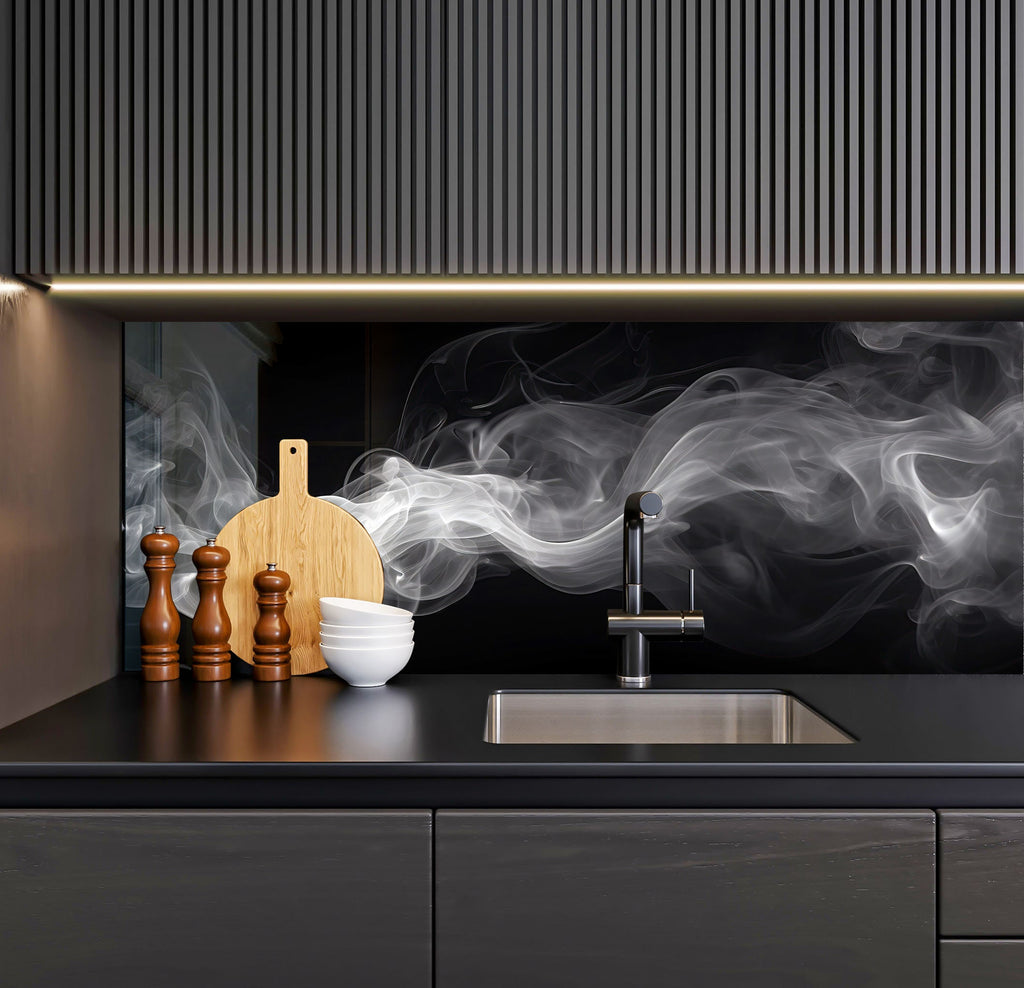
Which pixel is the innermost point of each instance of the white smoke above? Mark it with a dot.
(805, 498)
(185, 468)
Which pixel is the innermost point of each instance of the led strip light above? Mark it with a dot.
(554, 285)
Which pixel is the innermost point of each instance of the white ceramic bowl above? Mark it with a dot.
(364, 631)
(343, 610)
(376, 641)
(362, 666)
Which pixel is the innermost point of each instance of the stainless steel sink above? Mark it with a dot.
(655, 717)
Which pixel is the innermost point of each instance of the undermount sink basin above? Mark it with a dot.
(655, 717)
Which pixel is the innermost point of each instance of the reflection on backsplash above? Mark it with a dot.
(871, 470)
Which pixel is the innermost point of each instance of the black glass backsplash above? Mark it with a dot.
(346, 387)
(851, 495)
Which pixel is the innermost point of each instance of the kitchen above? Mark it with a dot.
(490, 268)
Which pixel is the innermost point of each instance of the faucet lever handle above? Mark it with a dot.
(693, 620)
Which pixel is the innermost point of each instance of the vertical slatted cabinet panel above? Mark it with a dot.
(518, 136)
(660, 898)
(246, 897)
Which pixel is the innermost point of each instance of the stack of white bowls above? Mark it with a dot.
(362, 642)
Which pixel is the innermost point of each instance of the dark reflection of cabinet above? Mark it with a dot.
(167, 899)
(595, 898)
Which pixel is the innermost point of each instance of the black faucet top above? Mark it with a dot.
(643, 504)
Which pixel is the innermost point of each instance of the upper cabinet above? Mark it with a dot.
(517, 136)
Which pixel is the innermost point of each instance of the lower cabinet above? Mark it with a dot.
(167, 899)
(612, 898)
(981, 864)
(981, 963)
(981, 854)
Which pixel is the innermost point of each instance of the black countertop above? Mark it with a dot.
(921, 741)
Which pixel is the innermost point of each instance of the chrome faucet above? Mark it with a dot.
(633, 624)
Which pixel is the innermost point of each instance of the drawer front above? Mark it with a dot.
(981, 873)
(186, 899)
(981, 963)
(602, 899)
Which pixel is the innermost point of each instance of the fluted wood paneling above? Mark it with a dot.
(519, 136)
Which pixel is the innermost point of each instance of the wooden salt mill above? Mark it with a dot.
(211, 627)
(271, 651)
(159, 625)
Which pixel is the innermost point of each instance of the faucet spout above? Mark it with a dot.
(640, 505)
(633, 624)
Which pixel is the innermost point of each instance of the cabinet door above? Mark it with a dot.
(982, 869)
(981, 963)
(433, 137)
(599, 898)
(170, 899)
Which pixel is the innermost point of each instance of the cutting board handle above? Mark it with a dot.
(294, 467)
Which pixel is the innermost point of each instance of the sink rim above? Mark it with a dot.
(648, 691)
(493, 717)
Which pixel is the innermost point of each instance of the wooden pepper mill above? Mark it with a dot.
(159, 625)
(271, 651)
(211, 627)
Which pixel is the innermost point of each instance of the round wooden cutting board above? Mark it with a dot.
(322, 547)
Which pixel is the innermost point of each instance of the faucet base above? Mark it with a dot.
(635, 682)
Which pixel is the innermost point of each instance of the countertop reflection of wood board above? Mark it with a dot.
(325, 551)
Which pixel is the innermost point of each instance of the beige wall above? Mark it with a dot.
(60, 477)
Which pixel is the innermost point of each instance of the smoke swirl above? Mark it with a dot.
(805, 497)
